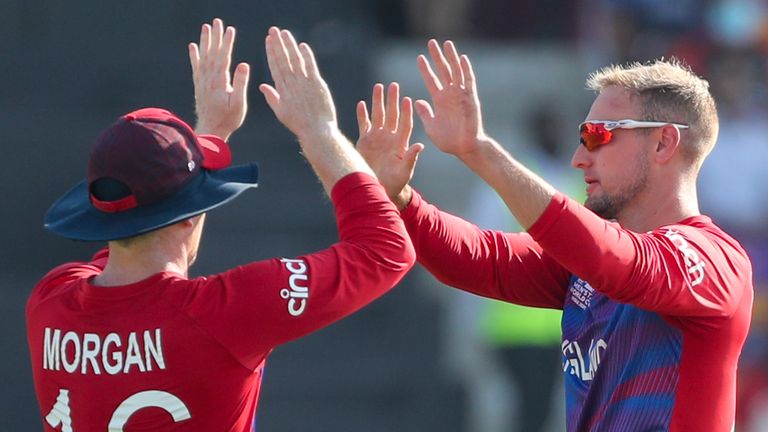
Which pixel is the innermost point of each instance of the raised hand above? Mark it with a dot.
(300, 97)
(384, 137)
(302, 102)
(220, 103)
(455, 124)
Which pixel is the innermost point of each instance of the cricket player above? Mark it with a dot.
(656, 298)
(127, 341)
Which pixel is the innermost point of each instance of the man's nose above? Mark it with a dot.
(581, 157)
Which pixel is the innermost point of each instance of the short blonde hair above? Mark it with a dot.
(668, 91)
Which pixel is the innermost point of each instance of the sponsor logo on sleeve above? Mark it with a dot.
(297, 292)
(693, 262)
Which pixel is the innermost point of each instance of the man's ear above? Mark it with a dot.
(190, 222)
(668, 144)
(186, 223)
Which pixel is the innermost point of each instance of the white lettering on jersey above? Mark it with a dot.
(150, 398)
(574, 359)
(581, 293)
(61, 415)
(81, 353)
(298, 293)
(693, 263)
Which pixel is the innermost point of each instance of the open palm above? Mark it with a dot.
(455, 122)
(220, 100)
(384, 137)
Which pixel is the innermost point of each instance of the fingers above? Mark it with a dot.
(441, 64)
(385, 118)
(271, 96)
(240, 83)
(217, 30)
(363, 122)
(377, 106)
(224, 57)
(214, 53)
(194, 60)
(453, 59)
(449, 66)
(294, 57)
(412, 155)
(393, 110)
(405, 127)
(469, 73)
(424, 111)
(276, 57)
(310, 64)
(205, 39)
(430, 79)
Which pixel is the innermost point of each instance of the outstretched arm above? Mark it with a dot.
(455, 126)
(220, 102)
(301, 100)
(287, 298)
(509, 267)
(676, 270)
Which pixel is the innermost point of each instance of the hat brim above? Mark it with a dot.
(72, 216)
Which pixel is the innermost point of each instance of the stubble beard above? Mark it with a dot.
(609, 206)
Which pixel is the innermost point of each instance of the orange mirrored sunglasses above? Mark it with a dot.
(595, 133)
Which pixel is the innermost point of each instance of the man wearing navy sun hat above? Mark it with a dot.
(127, 341)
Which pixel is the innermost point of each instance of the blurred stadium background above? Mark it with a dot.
(415, 360)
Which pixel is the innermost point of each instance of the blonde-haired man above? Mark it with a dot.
(656, 303)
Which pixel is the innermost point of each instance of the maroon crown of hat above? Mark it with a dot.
(146, 156)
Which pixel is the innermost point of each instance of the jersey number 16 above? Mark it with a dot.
(60, 414)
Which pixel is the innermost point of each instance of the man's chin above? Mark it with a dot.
(600, 207)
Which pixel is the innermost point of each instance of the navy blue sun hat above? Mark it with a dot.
(147, 171)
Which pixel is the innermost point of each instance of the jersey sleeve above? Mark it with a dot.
(504, 266)
(676, 270)
(253, 308)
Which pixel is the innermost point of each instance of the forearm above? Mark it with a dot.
(525, 193)
(372, 255)
(509, 267)
(332, 156)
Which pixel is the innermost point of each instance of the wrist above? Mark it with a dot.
(403, 198)
(323, 130)
(479, 147)
(204, 129)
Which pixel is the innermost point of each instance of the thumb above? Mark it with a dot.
(271, 96)
(412, 155)
(424, 111)
(240, 82)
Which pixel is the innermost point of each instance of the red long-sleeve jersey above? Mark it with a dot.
(173, 354)
(653, 323)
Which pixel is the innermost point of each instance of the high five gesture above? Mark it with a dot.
(384, 138)
(220, 101)
(453, 123)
